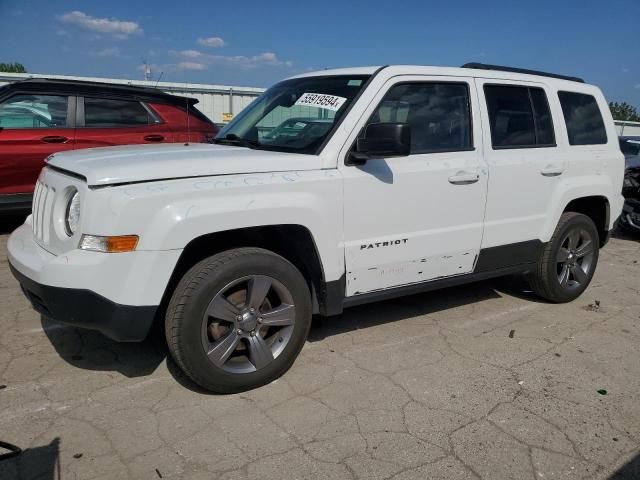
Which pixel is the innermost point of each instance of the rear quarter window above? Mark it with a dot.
(583, 119)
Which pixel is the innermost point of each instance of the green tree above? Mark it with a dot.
(624, 111)
(14, 67)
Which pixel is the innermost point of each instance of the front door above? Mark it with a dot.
(417, 218)
(32, 127)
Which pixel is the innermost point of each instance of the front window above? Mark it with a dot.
(295, 115)
(438, 113)
(34, 111)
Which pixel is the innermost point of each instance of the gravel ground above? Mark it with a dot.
(480, 381)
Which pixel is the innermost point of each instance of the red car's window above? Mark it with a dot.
(104, 112)
(34, 111)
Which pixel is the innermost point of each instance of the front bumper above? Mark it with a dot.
(115, 293)
(86, 309)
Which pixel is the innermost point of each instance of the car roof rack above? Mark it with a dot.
(500, 68)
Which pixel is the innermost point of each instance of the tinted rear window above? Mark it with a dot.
(519, 117)
(583, 118)
(105, 112)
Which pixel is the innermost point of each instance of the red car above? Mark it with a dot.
(39, 117)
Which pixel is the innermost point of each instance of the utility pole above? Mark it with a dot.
(147, 71)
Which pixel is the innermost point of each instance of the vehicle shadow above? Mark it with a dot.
(8, 223)
(91, 350)
(629, 471)
(388, 311)
(625, 234)
(37, 462)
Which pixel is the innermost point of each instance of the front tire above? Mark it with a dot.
(568, 262)
(238, 320)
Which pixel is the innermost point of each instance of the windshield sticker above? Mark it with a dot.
(354, 83)
(321, 100)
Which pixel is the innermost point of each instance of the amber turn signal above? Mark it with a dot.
(111, 244)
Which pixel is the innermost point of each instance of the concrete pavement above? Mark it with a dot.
(479, 381)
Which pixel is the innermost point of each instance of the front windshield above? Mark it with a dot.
(295, 115)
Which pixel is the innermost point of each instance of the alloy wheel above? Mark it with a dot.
(248, 324)
(575, 258)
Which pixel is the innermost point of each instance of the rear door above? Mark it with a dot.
(524, 162)
(32, 127)
(105, 122)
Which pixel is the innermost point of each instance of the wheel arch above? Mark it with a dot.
(291, 241)
(597, 208)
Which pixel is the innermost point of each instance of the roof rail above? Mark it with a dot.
(483, 66)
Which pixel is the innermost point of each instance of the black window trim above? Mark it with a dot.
(533, 111)
(80, 121)
(466, 83)
(604, 125)
(71, 108)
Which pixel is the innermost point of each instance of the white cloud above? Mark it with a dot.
(239, 61)
(107, 52)
(190, 53)
(119, 28)
(211, 42)
(62, 33)
(190, 66)
(247, 63)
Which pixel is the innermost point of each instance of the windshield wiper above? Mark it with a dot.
(233, 139)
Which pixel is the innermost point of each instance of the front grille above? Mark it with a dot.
(42, 209)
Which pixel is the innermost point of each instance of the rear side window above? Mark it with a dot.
(105, 112)
(439, 115)
(519, 117)
(583, 118)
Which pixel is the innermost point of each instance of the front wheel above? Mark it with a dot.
(568, 261)
(237, 320)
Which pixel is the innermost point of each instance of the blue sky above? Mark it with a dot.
(257, 43)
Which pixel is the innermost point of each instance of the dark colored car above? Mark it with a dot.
(39, 117)
(630, 218)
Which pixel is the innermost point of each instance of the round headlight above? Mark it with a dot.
(73, 214)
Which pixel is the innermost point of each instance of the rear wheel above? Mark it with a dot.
(568, 261)
(238, 320)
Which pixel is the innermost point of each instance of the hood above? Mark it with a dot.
(140, 163)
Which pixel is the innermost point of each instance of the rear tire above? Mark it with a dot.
(238, 320)
(568, 262)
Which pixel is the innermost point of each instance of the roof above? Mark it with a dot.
(81, 87)
(477, 70)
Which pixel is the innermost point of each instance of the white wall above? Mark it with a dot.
(628, 129)
(214, 100)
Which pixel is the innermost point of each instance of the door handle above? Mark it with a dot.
(552, 171)
(464, 178)
(54, 139)
(153, 138)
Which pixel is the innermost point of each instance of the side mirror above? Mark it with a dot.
(382, 140)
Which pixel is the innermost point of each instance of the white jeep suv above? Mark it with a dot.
(332, 189)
